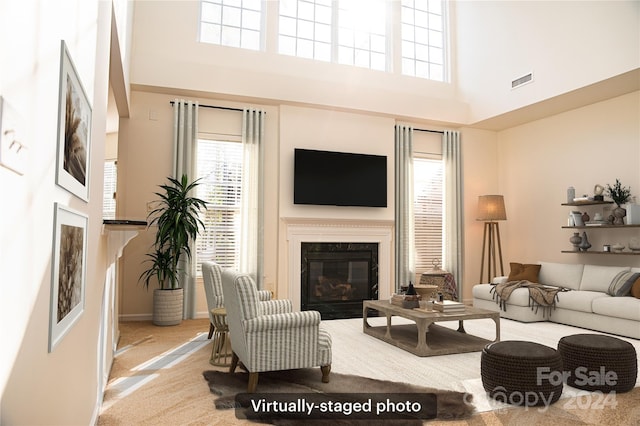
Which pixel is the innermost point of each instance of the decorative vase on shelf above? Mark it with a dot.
(585, 217)
(585, 244)
(576, 240)
(618, 215)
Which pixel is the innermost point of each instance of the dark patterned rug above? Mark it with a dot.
(297, 397)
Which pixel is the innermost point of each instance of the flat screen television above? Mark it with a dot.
(339, 178)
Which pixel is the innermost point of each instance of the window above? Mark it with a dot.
(353, 34)
(305, 29)
(220, 168)
(109, 191)
(362, 29)
(235, 23)
(428, 211)
(423, 48)
(408, 35)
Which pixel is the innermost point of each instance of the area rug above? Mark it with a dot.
(345, 400)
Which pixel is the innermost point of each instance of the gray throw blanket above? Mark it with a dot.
(540, 296)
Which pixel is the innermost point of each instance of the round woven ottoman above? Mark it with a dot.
(595, 362)
(521, 373)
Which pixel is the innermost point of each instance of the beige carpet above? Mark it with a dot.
(157, 379)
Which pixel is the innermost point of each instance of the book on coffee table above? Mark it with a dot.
(448, 306)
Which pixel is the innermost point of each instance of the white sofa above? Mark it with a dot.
(586, 305)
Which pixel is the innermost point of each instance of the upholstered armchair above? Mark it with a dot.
(268, 336)
(212, 276)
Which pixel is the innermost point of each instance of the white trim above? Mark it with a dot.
(338, 231)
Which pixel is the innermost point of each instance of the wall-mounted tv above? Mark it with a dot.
(339, 178)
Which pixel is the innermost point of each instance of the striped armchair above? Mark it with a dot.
(212, 276)
(268, 336)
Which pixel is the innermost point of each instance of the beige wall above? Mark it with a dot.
(540, 160)
(565, 44)
(145, 139)
(38, 387)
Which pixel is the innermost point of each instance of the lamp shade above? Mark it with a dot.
(491, 207)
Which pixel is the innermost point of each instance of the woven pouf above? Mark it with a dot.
(596, 362)
(521, 373)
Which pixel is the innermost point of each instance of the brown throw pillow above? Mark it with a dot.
(524, 271)
(635, 290)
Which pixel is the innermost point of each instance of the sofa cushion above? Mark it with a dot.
(561, 274)
(598, 278)
(622, 283)
(524, 271)
(635, 289)
(618, 307)
(578, 300)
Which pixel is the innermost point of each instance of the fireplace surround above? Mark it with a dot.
(303, 230)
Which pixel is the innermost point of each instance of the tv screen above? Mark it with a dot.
(339, 178)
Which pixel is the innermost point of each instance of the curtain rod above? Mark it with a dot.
(215, 107)
(430, 131)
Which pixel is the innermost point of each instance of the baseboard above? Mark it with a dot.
(135, 317)
(149, 317)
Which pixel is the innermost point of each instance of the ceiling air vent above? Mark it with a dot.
(527, 78)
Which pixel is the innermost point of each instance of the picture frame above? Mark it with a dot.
(74, 130)
(69, 272)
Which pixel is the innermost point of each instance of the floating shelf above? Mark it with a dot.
(601, 226)
(629, 253)
(587, 203)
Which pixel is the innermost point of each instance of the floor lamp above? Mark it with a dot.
(490, 209)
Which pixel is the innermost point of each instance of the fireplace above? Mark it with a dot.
(337, 276)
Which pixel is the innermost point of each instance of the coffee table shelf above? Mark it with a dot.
(425, 338)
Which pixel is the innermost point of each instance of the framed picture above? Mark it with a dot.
(74, 130)
(69, 268)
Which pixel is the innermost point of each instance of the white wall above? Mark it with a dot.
(167, 55)
(38, 387)
(566, 44)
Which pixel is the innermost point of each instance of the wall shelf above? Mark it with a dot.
(629, 253)
(601, 226)
(587, 203)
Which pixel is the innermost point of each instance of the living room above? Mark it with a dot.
(575, 124)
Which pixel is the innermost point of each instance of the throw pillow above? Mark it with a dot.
(524, 271)
(622, 283)
(635, 289)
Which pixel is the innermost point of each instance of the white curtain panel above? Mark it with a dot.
(252, 222)
(404, 230)
(185, 137)
(453, 206)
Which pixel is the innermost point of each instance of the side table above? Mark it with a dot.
(221, 348)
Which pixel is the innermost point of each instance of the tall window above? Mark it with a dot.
(235, 23)
(109, 189)
(220, 168)
(423, 46)
(428, 212)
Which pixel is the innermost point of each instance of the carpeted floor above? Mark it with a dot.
(156, 378)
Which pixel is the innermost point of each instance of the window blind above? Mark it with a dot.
(428, 211)
(109, 189)
(219, 165)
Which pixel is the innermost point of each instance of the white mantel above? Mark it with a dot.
(305, 230)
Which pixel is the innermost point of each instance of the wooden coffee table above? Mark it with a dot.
(425, 338)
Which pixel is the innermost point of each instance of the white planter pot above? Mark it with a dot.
(167, 306)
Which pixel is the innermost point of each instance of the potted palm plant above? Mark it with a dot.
(177, 218)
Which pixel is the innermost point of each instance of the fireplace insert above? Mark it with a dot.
(337, 277)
